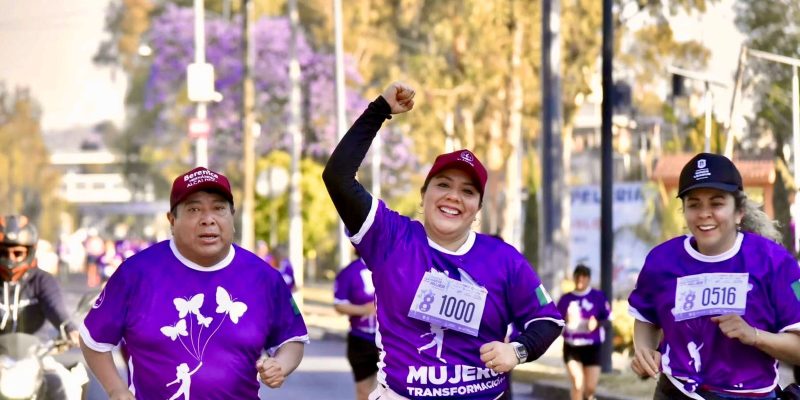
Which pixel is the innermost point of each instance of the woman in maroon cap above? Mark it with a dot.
(444, 293)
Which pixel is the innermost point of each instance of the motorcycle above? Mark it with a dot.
(24, 362)
(35, 369)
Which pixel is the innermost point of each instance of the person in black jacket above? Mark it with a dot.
(30, 295)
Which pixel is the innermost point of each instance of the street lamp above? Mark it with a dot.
(200, 83)
(794, 63)
(708, 96)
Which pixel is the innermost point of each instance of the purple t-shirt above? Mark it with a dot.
(421, 360)
(695, 352)
(353, 285)
(190, 328)
(578, 308)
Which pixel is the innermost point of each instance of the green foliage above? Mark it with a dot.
(458, 55)
(622, 323)
(662, 219)
(28, 182)
(320, 220)
(780, 203)
(696, 139)
(772, 26)
(531, 238)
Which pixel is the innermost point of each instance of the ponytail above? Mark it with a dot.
(755, 220)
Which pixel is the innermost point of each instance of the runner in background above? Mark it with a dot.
(354, 296)
(584, 310)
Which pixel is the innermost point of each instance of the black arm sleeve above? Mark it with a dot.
(53, 302)
(538, 337)
(351, 200)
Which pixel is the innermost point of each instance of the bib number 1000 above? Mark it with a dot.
(458, 309)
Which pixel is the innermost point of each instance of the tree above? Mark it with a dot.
(460, 55)
(772, 26)
(28, 182)
(153, 138)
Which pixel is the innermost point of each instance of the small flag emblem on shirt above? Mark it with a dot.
(294, 306)
(796, 288)
(543, 296)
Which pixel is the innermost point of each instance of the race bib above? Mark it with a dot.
(710, 294)
(449, 303)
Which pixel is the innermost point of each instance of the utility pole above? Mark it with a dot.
(708, 99)
(607, 178)
(554, 256)
(248, 119)
(341, 116)
(737, 88)
(201, 142)
(293, 127)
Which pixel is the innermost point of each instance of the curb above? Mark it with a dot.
(552, 389)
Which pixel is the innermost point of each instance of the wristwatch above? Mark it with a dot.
(520, 351)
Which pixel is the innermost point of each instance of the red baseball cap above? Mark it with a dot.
(198, 179)
(464, 160)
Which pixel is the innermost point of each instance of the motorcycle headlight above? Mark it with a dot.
(19, 379)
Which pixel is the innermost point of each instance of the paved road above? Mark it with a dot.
(323, 374)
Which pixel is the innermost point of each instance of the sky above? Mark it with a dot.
(47, 46)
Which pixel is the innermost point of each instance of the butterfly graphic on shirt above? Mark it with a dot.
(205, 321)
(189, 306)
(172, 332)
(227, 305)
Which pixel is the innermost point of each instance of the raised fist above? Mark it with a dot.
(399, 96)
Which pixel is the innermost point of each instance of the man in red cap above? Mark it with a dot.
(197, 311)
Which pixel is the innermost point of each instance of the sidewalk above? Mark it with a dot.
(547, 374)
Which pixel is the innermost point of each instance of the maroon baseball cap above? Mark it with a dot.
(464, 160)
(198, 179)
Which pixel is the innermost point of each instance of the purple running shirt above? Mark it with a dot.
(578, 308)
(353, 285)
(192, 329)
(422, 360)
(680, 289)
